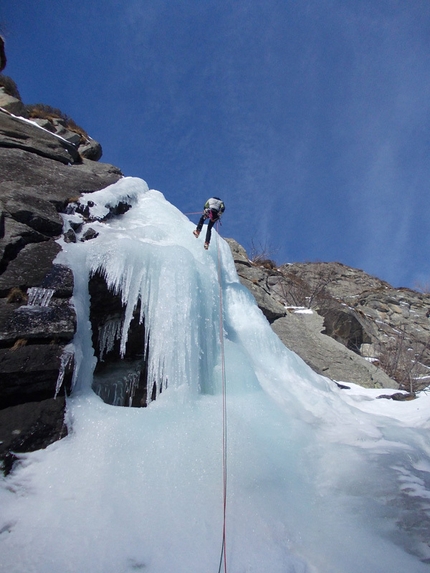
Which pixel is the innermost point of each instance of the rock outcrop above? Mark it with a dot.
(11, 104)
(40, 174)
(303, 333)
(255, 278)
(357, 328)
(17, 133)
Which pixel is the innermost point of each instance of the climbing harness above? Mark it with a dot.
(223, 557)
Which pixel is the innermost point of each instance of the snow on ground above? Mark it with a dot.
(410, 412)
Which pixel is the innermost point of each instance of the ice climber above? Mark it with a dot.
(213, 209)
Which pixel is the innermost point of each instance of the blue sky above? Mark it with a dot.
(310, 118)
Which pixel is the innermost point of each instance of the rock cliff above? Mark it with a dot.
(40, 173)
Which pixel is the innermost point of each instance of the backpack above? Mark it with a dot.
(215, 203)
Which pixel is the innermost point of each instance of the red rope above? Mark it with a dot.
(223, 558)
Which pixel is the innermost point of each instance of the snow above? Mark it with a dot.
(319, 479)
(412, 413)
(298, 309)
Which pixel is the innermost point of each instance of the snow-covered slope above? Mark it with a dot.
(318, 480)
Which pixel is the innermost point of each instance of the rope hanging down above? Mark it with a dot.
(223, 557)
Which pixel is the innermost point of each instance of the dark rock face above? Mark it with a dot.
(51, 181)
(29, 267)
(345, 327)
(51, 323)
(40, 174)
(33, 191)
(29, 427)
(91, 150)
(29, 373)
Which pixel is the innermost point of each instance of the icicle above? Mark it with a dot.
(65, 360)
(151, 267)
(108, 334)
(38, 296)
(131, 385)
(119, 386)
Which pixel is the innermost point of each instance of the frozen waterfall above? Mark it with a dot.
(320, 480)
